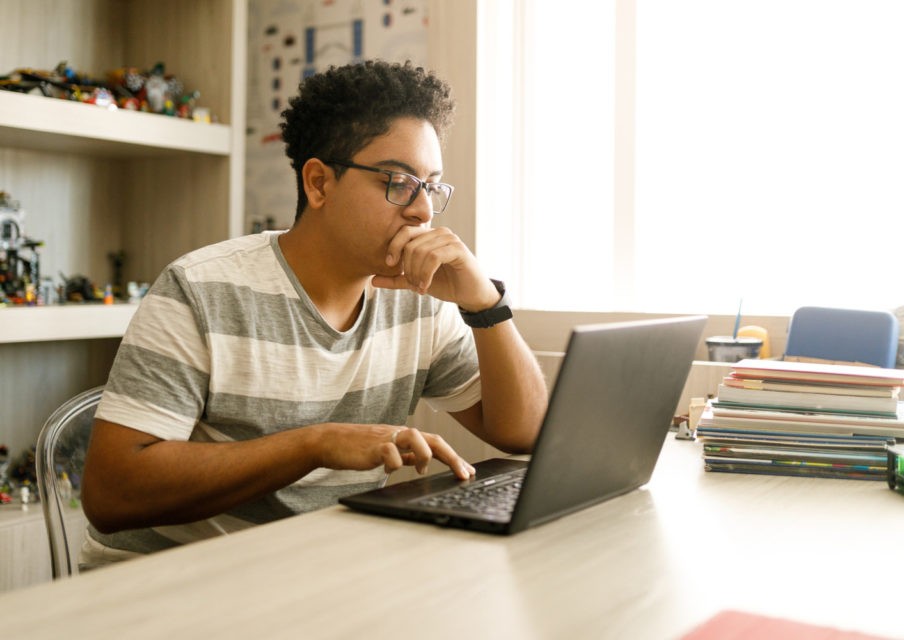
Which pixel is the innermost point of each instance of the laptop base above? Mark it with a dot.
(392, 500)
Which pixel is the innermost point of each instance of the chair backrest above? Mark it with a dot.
(849, 335)
(61, 448)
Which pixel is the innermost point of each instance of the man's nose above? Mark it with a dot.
(422, 207)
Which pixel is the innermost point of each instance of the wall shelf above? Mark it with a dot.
(95, 183)
(64, 322)
(48, 124)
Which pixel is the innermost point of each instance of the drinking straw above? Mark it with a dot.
(737, 321)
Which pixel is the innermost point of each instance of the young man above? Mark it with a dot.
(271, 374)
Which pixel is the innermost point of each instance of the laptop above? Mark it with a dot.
(610, 410)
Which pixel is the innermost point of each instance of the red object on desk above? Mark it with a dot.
(737, 625)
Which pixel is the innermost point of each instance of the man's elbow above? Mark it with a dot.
(99, 517)
(99, 507)
(524, 440)
(518, 444)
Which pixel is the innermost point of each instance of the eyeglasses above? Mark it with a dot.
(403, 188)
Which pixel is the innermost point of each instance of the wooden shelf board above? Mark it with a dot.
(47, 124)
(64, 322)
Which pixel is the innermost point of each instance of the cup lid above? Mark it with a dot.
(730, 341)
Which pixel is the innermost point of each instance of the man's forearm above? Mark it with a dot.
(514, 394)
(135, 480)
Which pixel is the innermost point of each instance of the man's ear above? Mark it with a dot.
(314, 176)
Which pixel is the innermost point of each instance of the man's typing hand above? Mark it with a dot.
(362, 447)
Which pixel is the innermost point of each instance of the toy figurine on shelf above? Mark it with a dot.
(154, 90)
(78, 288)
(25, 496)
(102, 97)
(117, 262)
(5, 488)
(136, 291)
(24, 471)
(19, 258)
(60, 82)
(130, 88)
(157, 90)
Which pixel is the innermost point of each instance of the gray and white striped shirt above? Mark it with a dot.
(228, 346)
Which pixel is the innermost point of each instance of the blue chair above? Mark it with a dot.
(849, 335)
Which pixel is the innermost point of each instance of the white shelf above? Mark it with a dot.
(48, 124)
(64, 322)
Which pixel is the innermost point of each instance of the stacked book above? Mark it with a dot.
(805, 419)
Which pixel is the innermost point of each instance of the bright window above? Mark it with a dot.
(546, 179)
(759, 155)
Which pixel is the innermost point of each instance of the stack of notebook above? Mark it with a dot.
(802, 418)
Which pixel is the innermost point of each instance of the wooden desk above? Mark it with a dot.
(651, 564)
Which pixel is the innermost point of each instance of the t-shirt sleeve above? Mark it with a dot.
(453, 382)
(159, 379)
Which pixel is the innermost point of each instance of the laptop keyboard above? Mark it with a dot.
(495, 496)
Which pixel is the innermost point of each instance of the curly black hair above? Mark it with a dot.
(339, 111)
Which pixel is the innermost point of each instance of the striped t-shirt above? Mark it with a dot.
(228, 346)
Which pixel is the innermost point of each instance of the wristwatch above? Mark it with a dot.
(487, 318)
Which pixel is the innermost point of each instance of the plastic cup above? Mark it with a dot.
(729, 349)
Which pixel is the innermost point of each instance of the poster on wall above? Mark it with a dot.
(289, 40)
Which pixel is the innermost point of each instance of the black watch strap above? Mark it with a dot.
(487, 318)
